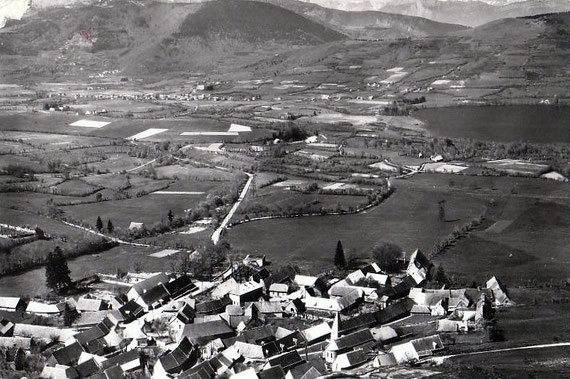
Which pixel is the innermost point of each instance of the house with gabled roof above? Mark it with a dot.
(140, 288)
(500, 297)
(316, 333)
(11, 304)
(248, 291)
(59, 372)
(418, 267)
(207, 331)
(67, 355)
(85, 304)
(287, 361)
(349, 360)
(44, 309)
(224, 288)
(417, 348)
(183, 357)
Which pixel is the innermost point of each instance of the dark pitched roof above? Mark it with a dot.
(400, 290)
(180, 286)
(354, 339)
(180, 358)
(270, 349)
(275, 372)
(87, 368)
(286, 360)
(155, 294)
(115, 372)
(121, 358)
(257, 335)
(100, 330)
(394, 311)
(186, 314)
(364, 320)
(202, 370)
(131, 310)
(68, 355)
(148, 284)
(213, 306)
(219, 361)
(291, 341)
(207, 331)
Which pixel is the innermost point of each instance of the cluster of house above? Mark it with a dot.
(251, 323)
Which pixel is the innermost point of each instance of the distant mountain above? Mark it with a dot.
(369, 24)
(464, 12)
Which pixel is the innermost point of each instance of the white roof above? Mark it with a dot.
(37, 307)
(279, 287)
(225, 288)
(46, 332)
(84, 304)
(247, 374)
(355, 277)
(305, 280)
(245, 288)
(315, 332)
(9, 302)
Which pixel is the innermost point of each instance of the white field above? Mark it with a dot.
(440, 82)
(288, 183)
(194, 229)
(384, 167)
(339, 117)
(214, 147)
(164, 253)
(371, 102)
(177, 193)
(334, 186)
(147, 133)
(89, 124)
(395, 69)
(239, 128)
(209, 134)
(443, 168)
(394, 78)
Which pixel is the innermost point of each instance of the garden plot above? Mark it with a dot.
(396, 75)
(288, 183)
(383, 166)
(147, 133)
(239, 128)
(356, 120)
(499, 226)
(89, 124)
(164, 253)
(517, 166)
(209, 134)
(444, 168)
(194, 229)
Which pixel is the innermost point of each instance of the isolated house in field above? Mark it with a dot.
(416, 349)
(174, 362)
(139, 289)
(418, 267)
(501, 298)
(256, 260)
(136, 226)
(11, 304)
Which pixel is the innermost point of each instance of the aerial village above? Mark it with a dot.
(249, 322)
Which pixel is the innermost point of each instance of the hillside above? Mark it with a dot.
(469, 13)
(369, 24)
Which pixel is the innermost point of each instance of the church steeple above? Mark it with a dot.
(335, 327)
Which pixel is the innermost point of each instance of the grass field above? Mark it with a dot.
(408, 218)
